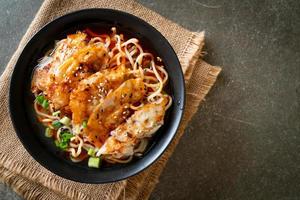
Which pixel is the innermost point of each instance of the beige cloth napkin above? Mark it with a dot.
(31, 180)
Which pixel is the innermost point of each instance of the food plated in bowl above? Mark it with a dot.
(104, 87)
(100, 96)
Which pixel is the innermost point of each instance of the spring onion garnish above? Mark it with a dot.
(84, 124)
(64, 141)
(56, 113)
(94, 162)
(45, 104)
(61, 145)
(56, 143)
(42, 101)
(56, 124)
(65, 120)
(91, 152)
(66, 136)
(48, 132)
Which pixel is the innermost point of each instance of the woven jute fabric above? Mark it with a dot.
(32, 181)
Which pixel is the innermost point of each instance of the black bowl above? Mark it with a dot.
(31, 133)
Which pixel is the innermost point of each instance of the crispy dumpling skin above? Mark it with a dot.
(61, 73)
(142, 124)
(92, 90)
(108, 114)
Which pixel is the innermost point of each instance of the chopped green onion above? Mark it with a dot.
(61, 145)
(66, 136)
(56, 142)
(94, 162)
(91, 152)
(64, 142)
(65, 120)
(40, 99)
(84, 124)
(45, 104)
(56, 113)
(56, 124)
(48, 132)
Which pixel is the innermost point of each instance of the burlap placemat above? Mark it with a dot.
(31, 180)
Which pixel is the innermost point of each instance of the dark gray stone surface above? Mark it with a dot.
(244, 142)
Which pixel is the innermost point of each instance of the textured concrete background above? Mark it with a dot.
(244, 142)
